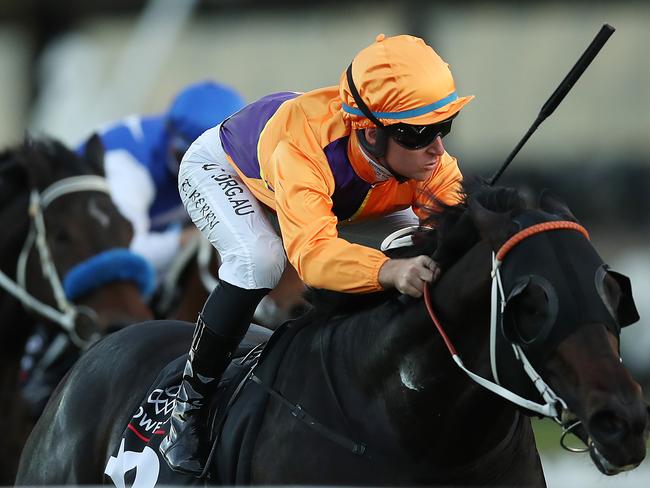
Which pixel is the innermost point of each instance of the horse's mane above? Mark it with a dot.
(446, 234)
(43, 153)
(450, 232)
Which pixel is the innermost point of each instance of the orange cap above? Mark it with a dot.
(401, 79)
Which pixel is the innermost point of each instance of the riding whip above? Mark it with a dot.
(560, 92)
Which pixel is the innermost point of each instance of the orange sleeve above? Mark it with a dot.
(303, 188)
(445, 184)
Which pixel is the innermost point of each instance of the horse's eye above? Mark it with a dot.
(527, 314)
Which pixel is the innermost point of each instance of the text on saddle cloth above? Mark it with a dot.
(137, 462)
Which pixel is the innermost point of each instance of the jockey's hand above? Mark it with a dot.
(409, 275)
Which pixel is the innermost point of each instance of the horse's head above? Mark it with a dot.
(558, 307)
(71, 242)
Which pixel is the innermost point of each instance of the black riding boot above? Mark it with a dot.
(220, 328)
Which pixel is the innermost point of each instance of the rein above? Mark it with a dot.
(66, 313)
(554, 407)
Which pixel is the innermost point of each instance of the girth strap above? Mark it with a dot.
(358, 448)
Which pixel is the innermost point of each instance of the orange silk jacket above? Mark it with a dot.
(299, 156)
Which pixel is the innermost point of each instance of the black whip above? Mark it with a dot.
(560, 92)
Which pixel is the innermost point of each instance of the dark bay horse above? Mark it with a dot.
(366, 392)
(62, 245)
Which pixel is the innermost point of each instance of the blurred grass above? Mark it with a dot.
(547, 436)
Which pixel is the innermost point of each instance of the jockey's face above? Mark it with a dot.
(413, 164)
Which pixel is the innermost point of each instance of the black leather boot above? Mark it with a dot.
(222, 324)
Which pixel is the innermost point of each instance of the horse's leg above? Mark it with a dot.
(15, 423)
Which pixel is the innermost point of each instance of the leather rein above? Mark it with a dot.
(554, 406)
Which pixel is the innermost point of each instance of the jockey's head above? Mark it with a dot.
(195, 109)
(402, 90)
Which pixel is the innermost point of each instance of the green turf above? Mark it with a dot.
(547, 435)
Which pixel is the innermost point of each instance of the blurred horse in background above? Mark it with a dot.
(64, 265)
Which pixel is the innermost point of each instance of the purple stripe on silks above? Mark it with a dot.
(349, 189)
(241, 132)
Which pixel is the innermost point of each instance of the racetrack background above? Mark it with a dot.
(69, 66)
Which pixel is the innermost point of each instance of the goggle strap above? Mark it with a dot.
(359, 101)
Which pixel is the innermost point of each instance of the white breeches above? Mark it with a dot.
(238, 226)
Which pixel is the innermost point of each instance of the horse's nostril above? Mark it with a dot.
(606, 426)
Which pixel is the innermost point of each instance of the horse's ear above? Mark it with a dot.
(548, 202)
(94, 154)
(495, 227)
(35, 163)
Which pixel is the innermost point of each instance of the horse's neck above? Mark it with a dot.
(15, 221)
(407, 376)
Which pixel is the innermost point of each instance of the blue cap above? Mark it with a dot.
(201, 106)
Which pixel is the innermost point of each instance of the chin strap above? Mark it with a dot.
(383, 171)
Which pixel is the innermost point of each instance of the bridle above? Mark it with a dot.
(554, 406)
(66, 314)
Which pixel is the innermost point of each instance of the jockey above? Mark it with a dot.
(141, 165)
(360, 150)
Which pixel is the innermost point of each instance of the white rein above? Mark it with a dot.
(66, 313)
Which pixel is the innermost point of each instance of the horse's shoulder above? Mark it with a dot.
(153, 337)
(156, 328)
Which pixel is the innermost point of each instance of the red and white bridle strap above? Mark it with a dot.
(550, 409)
(538, 229)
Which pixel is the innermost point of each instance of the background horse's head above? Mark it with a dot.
(63, 262)
(43, 180)
(563, 312)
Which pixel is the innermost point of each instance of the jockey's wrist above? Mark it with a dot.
(386, 275)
